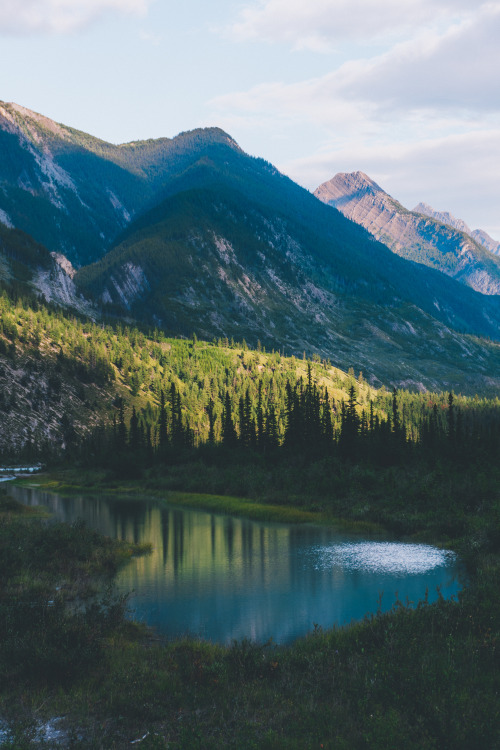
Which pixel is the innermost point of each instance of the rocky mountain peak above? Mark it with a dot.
(436, 239)
(443, 216)
(360, 179)
(488, 242)
(347, 185)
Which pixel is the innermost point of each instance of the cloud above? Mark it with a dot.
(456, 69)
(473, 156)
(456, 173)
(433, 76)
(60, 16)
(422, 118)
(318, 24)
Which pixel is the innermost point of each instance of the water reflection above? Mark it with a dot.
(222, 577)
(385, 557)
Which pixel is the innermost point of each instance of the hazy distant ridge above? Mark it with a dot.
(479, 235)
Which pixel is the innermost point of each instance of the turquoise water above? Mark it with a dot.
(225, 578)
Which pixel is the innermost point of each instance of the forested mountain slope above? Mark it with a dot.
(210, 240)
(479, 235)
(210, 260)
(76, 193)
(63, 377)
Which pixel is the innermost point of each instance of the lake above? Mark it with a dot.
(223, 578)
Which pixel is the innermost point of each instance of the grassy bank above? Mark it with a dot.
(413, 678)
(450, 504)
(90, 482)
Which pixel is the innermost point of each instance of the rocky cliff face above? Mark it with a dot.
(55, 284)
(414, 235)
(32, 268)
(478, 235)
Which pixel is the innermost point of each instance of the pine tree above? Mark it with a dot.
(249, 433)
(243, 426)
(229, 437)
(134, 436)
(149, 443)
(162, 430)
(210, 409)
(260, 418)
(396, 422)
(450, 416)
(177, 428)
(272, 437)
(349, 430)
(180, 433)
(292, 417)
(326, 420)
(121, 433)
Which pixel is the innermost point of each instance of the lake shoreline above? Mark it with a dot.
(218, 503)
(224, 504)
(221, 577)
(419, 678)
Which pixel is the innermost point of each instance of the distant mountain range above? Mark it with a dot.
(423, 235)
(193, 235)
(479, 235)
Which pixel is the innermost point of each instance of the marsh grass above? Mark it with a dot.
(426, 677)
(293, 510)
(411, 678)
(57, 602)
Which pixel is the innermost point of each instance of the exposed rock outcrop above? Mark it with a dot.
(56, 284)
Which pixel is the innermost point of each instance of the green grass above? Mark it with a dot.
(57, 603)
(218, 503)
(426, 678)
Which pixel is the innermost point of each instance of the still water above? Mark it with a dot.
(222, 578)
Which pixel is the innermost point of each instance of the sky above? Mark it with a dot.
(407, 91)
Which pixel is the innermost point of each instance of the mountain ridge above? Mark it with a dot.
(74, 192)
(478, 235)
(412, 235)
(203, 237)
(209, 262)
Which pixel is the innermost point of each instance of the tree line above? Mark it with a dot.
(155, 393)
(315, 425)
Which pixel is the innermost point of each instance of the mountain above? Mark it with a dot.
(212, 261)
(75, 193)
(488, 242)
(411, 234)
(29, 267)
(479, 235)
(193, 235)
